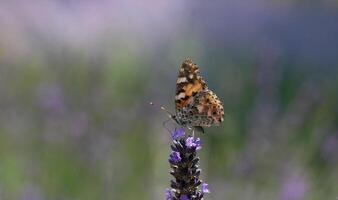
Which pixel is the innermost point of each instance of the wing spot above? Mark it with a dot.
(182, 80)
(186, 98)
(180, 91)
(180, 95)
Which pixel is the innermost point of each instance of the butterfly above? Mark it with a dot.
(196, 106)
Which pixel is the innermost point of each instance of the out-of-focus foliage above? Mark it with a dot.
(76, 79)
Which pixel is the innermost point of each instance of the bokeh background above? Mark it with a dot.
(76, 79)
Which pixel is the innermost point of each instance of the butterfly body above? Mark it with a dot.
(196, 105)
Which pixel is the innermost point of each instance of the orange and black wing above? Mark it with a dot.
(189, 84)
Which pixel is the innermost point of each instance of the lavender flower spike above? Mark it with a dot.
(185, 170)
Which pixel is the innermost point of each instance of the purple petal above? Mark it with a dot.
(198, 143)
(178, 133)
(168, 194)
(175, 157)
(189, 142)
(184, 197)
(205, 188)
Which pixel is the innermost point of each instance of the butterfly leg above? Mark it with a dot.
(192, 131)
(164, 126)
(198, 129)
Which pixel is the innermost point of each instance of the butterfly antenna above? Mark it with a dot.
(192, 130)
(164, 124)
(164, 109)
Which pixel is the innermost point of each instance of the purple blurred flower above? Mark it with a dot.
(51, 99)
(79, 124)
(168, 194)
(329, 148)
(191, 143)
(294, 188)
(205, 188)
(31, 192)
(175, 157)
(178, 134)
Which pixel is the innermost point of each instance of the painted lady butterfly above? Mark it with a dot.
(196, 105)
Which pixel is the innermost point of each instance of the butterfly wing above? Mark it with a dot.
(196, 105)
(206, 109)
(189, 83)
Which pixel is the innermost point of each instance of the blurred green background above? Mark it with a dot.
(76, 79)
